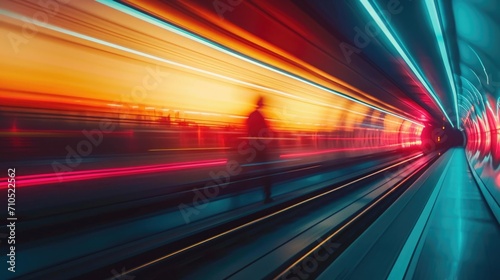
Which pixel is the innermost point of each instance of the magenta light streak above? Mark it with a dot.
(53, 178)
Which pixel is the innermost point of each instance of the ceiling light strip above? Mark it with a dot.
(432, 9)
(382, 25)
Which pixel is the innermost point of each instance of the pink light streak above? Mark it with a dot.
(54, 178)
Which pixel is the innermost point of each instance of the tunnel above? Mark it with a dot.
(250, 139)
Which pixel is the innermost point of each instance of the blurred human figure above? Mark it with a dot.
(259, 135)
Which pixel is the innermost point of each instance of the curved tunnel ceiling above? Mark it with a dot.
(449, 43)
(479, 69)
(408, 24)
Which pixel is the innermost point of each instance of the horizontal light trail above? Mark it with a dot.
(188, 149)
(177, 30)
(53, 133)
(201, 71)
(54, 178)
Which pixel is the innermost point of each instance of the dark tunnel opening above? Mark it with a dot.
(443, 137)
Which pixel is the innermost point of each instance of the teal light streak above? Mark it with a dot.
(460, 106)
(482, 65)
(488, 105)
(498, 107)
(475, 75)
(475, 90)
(465, 99)
(373, 13)
(472, 95)
(172, 28)
(432, 9)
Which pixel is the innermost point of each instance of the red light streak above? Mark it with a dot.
(53, 178)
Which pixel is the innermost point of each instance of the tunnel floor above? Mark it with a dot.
(455, 236)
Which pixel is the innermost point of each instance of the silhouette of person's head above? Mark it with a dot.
(260, 102)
